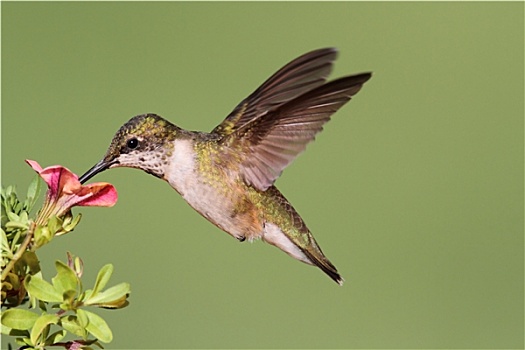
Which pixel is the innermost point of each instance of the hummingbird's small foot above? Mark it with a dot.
(241, 238)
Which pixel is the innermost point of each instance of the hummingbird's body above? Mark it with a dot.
(227, 175)
(244, 212)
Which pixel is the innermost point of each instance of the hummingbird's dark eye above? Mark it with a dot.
(132, 143)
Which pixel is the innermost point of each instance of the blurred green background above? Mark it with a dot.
(414, 190)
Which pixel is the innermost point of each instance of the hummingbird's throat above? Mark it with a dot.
(153, 162)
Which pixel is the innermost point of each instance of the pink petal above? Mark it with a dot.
(57, 178)
(68, 181)
(52, 175)
(33, 164)
(102, 195)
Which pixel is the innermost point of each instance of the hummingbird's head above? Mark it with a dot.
(144, 142)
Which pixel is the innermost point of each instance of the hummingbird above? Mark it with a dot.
(228, 174)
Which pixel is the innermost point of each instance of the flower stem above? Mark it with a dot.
(21, 250)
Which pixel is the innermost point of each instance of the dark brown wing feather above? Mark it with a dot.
(294, 79)
(272, 142)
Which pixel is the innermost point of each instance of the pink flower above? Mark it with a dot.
(65, 191)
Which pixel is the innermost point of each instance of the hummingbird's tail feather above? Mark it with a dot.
(326, 266)
(292, 235)
(310, 254)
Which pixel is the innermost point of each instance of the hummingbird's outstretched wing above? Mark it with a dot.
(265, 140)
(294, 79)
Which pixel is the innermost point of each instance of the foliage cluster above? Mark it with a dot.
(39, 313)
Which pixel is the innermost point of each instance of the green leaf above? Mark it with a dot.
(42, 236)
(15, 332)
(69, 298)
(65, 279)
(13, 217)
(24, 217)
(15, 224)
(24, 341)
(15, 242)
(102, 278)
(10, 189)
(41, 323)
(112, 297)
(31, 260)
(85, 295)
(5, 330)
(70, 323)
(54, 224)
(42, 290)
(11, 281)
(82, 318)
(56, 337)
(5, 244)
(115, 304)
(19, 319)
(71, 225)
(98, 327)
(79, 266)
(32, 193)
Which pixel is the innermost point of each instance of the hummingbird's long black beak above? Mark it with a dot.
(97, 168)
